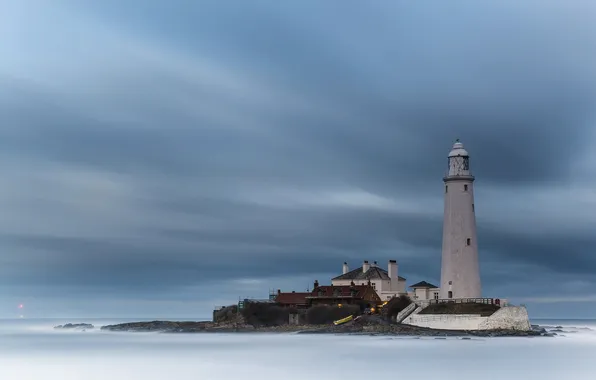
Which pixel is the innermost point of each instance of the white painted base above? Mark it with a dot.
(506, 318)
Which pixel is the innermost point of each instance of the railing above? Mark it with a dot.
(256, 300)
(405, 312)
(446, 317)
(487, 301)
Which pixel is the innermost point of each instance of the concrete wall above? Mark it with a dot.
(447, 321)
(506, 318)
(294, 319)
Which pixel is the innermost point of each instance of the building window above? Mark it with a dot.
(468, 241)
(436, 295)
(374, 285)
(450, 294)
(472, 207)
(446, 188)
(465, 187)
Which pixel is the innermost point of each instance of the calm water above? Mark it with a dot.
(31, 349)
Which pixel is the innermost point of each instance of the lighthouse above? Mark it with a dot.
(460, 272)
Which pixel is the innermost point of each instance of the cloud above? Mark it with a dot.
(169, 152)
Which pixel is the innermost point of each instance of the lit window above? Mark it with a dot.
(468, 241)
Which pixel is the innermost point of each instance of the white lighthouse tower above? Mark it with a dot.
(460, 273)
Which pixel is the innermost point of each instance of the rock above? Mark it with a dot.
(366, 325)
(75, 326)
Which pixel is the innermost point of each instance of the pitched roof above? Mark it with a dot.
(373, 273)
(292, 298)
(340, 291)
(424, 284)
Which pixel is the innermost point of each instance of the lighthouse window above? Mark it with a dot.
(465, 187)
(445, 188)
(472, 206)
(450, 294)
(468, 241)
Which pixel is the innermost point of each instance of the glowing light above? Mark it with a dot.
(20, 306)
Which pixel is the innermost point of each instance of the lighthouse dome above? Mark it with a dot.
(458, 150)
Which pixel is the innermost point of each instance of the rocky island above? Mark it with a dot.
(267, 318)
(366, 325)
(75, 326)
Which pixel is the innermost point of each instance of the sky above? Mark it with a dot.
(160, 158)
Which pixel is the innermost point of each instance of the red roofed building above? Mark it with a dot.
(293, 299)
(343, 294)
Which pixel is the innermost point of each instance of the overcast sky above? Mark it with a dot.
(159, 158)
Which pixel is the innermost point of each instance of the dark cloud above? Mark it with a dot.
(189, 148)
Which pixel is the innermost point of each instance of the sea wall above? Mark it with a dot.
(506, 318)
(447, 321)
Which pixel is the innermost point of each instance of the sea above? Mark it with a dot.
(33, 349)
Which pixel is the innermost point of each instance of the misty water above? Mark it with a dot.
(32, 349)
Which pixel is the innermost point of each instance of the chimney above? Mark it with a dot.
(278, 291)
(345, 268)
(374, 264)
(392, 269)
(316, 284)
(392, 272)
(365, 266)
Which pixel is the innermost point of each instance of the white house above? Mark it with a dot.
(424, 291)
(386, 282)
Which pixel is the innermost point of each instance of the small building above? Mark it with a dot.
(292, 299)
(386, 283)
(424, 291)
(343, 295)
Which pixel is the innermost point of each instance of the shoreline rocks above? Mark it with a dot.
(364, 326)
